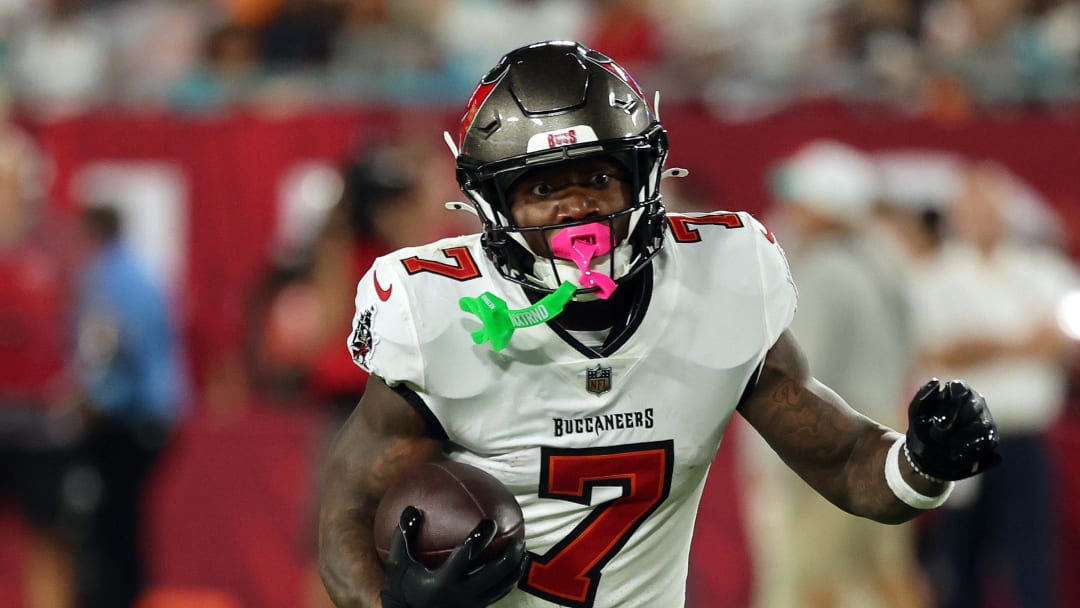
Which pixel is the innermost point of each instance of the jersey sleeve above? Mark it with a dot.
(383, 339)
(777, 287)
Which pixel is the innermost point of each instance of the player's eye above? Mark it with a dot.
(541, 189)
(600, 179)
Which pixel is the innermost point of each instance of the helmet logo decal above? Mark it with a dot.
(561, 137)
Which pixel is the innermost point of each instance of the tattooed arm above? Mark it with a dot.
(836, 450)
(382, 438)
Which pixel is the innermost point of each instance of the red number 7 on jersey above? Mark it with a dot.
(569, 572)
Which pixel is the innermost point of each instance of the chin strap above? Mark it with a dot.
(499, 321)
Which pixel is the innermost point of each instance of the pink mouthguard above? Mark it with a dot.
(580, 244)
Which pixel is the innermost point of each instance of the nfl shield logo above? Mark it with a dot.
(598, 380)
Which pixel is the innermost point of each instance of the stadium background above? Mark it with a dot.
(231, 507)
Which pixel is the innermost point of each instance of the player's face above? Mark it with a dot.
(567, 192)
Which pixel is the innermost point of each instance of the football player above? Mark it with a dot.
(589, 350)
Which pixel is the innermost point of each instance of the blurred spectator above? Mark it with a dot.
(744, 57)
(135, 392)
(299, 34)
(229, 72)
(386, 50)
(916, 187)
(987, 311)
(854, 323)
(882, 38)
(15, 16)
(250, 13)
(473, 34)
(392, 197)
(626, 31)
(61, 61)
(1004, 54)
(157, 44)
(36, 438)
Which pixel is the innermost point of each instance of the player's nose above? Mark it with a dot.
(576, 204)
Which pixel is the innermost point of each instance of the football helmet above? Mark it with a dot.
(548, 103)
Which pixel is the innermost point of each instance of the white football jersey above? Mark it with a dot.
(607, 452)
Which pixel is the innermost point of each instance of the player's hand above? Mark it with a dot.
(951, 434)
(461, 582)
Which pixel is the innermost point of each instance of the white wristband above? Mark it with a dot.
(900, 487)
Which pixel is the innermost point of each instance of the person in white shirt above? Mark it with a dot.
(987, 312)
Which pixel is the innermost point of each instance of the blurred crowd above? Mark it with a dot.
(938, 57)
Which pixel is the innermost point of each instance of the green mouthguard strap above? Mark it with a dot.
(499, 322)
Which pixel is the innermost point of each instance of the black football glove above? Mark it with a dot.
(461, 582)
(951, 434)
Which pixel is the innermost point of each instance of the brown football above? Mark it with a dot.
(454, 498)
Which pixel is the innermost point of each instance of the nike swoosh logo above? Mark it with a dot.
(384, 294)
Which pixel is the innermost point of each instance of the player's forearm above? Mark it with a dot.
(349, 567)
(836, 450)
(850, 473)
(383, 438)
(348, 564)
(865, 491)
